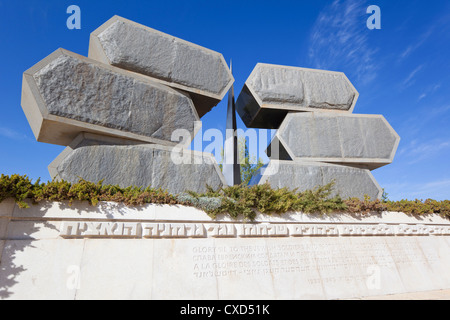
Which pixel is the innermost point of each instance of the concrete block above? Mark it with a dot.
(272, 91)
(144, 165)
(350, 182)
(66, 94)
(364, 141)
(201, 72)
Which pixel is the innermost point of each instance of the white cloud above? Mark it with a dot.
(430, 90)
(418, 43)
(339, 41)
(424, 117)
(417, 152)
(438, 190)
(422, 96)
(12, 134)
(409, 81)
(437, 28)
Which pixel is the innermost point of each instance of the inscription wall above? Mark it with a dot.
(368, 264)
(288, 260)
(230, 230)
(180, 253)
(323, 255)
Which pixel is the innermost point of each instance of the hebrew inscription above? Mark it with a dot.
(229, 230)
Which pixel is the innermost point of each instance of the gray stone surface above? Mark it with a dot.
(353, 139)
(66, 94)
(125, 163)
(272, 91)
(201, 72)
(349, 181)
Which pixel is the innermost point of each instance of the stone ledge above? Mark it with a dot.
(48, 210)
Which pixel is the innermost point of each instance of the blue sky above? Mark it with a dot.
(401, 71)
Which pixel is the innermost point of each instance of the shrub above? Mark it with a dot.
(420, 207)
(235, 201)
(247, 201)
(355, 205)
(18, 188)
(21, 188)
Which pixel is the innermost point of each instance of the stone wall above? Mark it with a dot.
(57, 251)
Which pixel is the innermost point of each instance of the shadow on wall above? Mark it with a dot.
(13, 242)
(21, 229)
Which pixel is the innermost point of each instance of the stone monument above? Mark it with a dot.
(117, 110)
(318, 137)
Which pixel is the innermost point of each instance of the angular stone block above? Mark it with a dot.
(66, 94)
(350, 182)
(272, 91)
(125, 163)
(365, 141)
(201, 72)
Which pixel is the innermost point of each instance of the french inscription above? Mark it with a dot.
(97, 229)
(325, 260)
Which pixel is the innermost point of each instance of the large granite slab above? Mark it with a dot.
(66, 94)
(271, 91)
(201, 72)
(124, 163)
(350, 182)
(366, 141)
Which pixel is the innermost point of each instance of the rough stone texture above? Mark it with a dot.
(358, 140)
(93, 158)
(349, 182)
(271, 91)
(66, 94)
(178, 63)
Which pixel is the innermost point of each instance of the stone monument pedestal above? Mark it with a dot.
(57, 251)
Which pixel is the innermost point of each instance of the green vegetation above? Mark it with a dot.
(246, 201)
(20, 188)
(236, 201)
(420, 207)
(249, 165)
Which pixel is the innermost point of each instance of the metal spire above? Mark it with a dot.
(231, 166)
